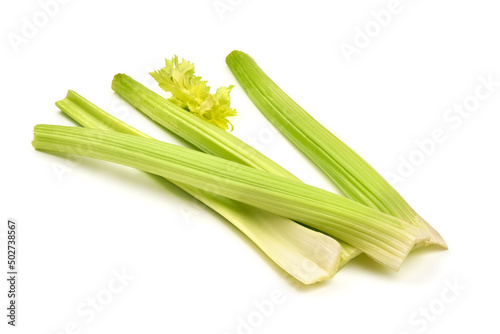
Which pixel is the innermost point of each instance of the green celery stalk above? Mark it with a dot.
(386, 239)
(307, 255)
(351, 173)
(204, 135)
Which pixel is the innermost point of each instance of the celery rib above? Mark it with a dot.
(307, 255)
(386, 239)
(356, 178)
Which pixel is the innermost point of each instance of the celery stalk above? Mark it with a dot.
(207, 137)
(351, 173)
(307, 255)
(386, 239)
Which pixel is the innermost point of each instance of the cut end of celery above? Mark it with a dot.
(434, 238)
(232, 53)
(35, 142)
(307, 255)
(116, 78)
(320, 260)
(235, 53)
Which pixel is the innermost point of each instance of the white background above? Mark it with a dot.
(193, 272)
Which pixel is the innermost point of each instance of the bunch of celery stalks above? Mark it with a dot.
(309, 232)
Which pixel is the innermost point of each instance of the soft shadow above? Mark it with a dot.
(303, 288)
(418, 257)
(364, 263)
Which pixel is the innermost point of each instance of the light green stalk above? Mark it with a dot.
(351, 173)
(307, 255)
(385, 238)
(205, 136)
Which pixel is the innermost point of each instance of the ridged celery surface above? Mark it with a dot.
(351, 173)
(385, 238)
(205, 136)
(307, 255)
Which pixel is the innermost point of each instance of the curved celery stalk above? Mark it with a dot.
(307, 255)
(386, 239)
(351, 173)
(207, 137)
